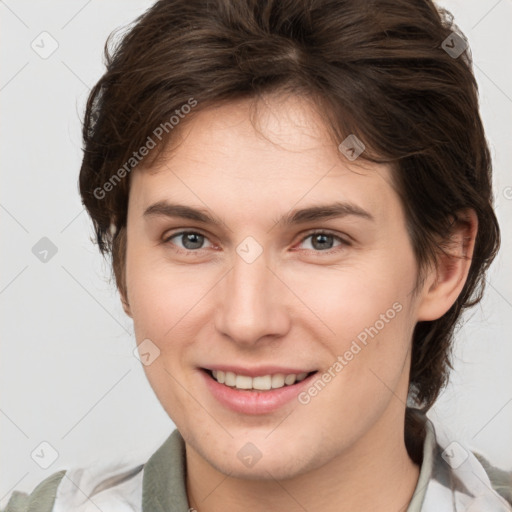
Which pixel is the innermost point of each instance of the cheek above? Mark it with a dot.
(344, 301)
(363, 313)
(377, 343)
(166, 304)
(163, 298)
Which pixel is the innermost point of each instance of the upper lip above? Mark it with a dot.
(258, 371)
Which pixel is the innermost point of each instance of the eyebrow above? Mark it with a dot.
(297, 216)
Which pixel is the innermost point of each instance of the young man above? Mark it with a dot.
(297, 200)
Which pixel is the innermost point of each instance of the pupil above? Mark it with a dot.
(194, 239)
(323, 239)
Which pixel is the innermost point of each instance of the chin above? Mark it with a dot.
(246, 463)
(263, 470)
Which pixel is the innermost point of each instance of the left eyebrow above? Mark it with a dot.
(324, 212)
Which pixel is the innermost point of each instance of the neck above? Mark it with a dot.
(376, 473)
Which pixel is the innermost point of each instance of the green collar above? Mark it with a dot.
(163, 481)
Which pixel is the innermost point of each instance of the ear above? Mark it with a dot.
(444, 284)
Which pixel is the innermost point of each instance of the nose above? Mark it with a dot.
(251, 303)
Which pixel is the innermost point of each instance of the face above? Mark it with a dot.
(305, 266)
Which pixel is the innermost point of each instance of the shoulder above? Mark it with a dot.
(501, 480)
(460, 478)
(83, 490)
(123, 486)
(41, 498)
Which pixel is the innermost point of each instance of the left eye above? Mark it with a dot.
(323, 241)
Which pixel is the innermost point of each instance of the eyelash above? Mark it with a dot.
(343, 242)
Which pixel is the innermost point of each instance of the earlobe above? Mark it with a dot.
(125, 303)
(126, 308)
(446, 282)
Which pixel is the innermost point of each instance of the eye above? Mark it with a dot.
(190, 240)
(193, 241)
(323, 241)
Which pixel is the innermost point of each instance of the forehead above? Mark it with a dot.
(271, 154)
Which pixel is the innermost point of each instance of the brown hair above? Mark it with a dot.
(377, 69)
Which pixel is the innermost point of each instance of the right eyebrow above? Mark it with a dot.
(166, 209)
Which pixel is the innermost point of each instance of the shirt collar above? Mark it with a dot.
(163, 482)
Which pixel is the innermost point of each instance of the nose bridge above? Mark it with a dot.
(251, 304)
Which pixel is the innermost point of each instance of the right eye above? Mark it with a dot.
(191, 241)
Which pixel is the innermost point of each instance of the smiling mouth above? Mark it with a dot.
(260, 383)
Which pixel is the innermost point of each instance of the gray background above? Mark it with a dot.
(68, 376)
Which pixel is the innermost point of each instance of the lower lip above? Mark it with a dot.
(254, 402)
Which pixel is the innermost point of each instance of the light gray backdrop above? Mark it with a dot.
(68, 376)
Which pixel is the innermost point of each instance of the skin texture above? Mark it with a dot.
(295, 305)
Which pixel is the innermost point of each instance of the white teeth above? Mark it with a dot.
(243, 382)
(277, 380)
(230, 379)
(261, 383)
(290, 379)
